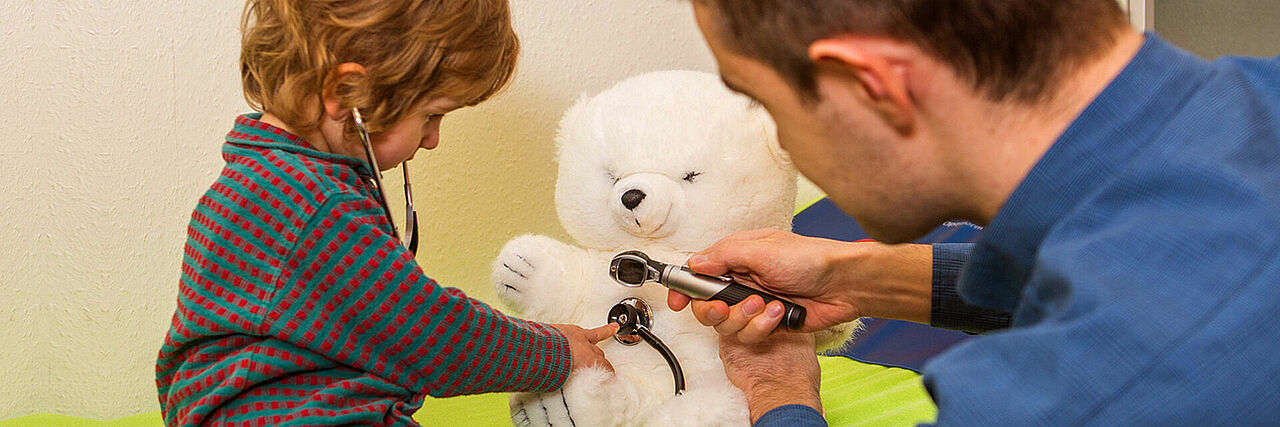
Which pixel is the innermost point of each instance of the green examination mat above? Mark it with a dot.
(853, 394)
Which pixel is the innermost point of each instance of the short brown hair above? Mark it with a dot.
(1008, 49)
(412, 50)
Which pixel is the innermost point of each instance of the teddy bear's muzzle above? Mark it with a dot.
(644, 204)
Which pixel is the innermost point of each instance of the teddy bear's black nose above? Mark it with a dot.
(632, 198)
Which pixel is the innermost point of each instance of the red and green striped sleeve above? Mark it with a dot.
(352, 293)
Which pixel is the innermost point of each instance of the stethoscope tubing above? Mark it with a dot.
(411, 216)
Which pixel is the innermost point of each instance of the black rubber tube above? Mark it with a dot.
(666, 353)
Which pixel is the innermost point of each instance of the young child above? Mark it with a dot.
(298, 304)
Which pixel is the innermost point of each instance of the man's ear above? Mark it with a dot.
(333, 107)
(877, 66)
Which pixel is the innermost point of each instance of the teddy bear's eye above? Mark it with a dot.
(691, 176)
(611, 176)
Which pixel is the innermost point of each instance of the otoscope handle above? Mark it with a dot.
(792, 313)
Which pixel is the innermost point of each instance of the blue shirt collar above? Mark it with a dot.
(1116, 126)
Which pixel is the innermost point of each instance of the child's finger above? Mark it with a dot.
(602, 362)
(601, 333)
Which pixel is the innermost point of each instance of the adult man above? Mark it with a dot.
(1131, 193)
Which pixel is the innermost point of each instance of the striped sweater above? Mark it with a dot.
(298, 305)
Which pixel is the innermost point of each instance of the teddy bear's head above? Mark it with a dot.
(670, 159)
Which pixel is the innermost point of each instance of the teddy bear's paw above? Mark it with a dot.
(591, 397)
(539, 409)
(529, 270)
(835, 338)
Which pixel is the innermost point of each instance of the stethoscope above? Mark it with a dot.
(634, 268)
(411, 216)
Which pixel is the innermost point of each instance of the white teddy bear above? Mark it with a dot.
(666, 163)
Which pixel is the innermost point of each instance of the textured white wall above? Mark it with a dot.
(112, 118)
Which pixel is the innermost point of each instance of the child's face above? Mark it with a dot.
(418, 129)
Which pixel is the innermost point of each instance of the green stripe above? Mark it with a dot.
(192, 306)
(226, 391)
(247, 173)
(401, 307)
(453, 375)
(364, 287)
(809, 205)
(489, 346)
(428, 330)
(310, 258)
(224, 243)
(295, 162)
(331, 265)
(442, 341)
(209, 256)
(273, 141)
(240, 212)
(286, 182)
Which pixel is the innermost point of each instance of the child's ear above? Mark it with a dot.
(333, 105)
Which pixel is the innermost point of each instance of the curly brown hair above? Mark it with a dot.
(412, 51)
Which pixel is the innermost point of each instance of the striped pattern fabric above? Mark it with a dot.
(298, 305)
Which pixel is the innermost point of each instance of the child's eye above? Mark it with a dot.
(689, 177)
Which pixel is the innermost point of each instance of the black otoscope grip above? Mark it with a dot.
(792, 313)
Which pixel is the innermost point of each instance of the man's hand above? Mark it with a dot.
(835, 281)
(781, 370)
(582, 344)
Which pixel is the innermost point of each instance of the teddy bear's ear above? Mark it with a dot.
(573, 114)
(764, 122)
(580, 123)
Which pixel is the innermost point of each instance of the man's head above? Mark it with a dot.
(871, 96)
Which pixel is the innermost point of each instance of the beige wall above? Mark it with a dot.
(112, 118)
(1212, 28)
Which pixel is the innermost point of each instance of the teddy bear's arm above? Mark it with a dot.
(540, 278)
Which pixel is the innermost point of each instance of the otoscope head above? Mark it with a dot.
(634, 268)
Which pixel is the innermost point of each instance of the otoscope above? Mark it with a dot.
(634, 268)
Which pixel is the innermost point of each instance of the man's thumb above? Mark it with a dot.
(708, 263)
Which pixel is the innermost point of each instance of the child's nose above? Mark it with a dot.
(431, 138)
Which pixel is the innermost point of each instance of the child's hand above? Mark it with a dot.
(582, 344)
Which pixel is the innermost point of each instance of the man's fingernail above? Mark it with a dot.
(773, 310)
(751, 306)
(714, 315)
(697, 259)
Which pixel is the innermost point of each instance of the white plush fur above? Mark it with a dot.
(647, 133)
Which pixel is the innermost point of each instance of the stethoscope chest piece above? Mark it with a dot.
(636, 325)
(631, 313)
